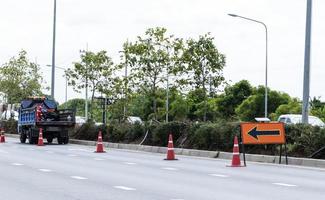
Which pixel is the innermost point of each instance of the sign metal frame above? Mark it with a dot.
(262, 133)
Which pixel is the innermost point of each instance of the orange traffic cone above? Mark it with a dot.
(100, 147)
(170, 149)
(40, 138)
(2, 137)
(236, 155)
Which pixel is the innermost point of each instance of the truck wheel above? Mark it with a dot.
(30, 140)
(23, 138)
(49, 140)
(66, 140)
(60, 140)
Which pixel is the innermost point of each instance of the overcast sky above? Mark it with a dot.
(106, 24)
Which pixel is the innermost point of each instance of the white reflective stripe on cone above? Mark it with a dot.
(235, 153)
(235, 145)
(170, 149)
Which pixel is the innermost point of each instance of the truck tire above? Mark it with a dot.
(60, 140)
(49, 140)
(23, 138)
(66, 140)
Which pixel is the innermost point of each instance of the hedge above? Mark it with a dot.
(302, 140)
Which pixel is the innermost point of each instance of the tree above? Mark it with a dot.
(20, 79)
(253, 106)
(150, 59)
(292, 107)
(95, 71)
(202, 64)
(233, 96)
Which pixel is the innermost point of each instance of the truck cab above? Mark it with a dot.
(42, 112)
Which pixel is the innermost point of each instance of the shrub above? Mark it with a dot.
(9, 126)
(161, 132)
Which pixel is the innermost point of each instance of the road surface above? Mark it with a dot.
(74, 172)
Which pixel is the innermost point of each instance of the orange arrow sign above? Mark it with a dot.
(263, 133)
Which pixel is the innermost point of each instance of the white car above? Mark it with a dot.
(9, 114)
(296, 119)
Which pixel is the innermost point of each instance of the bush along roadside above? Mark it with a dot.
(302, 140)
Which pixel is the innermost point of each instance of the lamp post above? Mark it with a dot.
(53, 52)
(66, 81)
(266, 50)
(306, 86)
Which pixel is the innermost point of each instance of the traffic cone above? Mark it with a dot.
(170, 149)
(100, 147)
(2, 137)
(40, 138)
(236, 155)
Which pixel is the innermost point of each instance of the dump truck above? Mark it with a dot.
(41, 112)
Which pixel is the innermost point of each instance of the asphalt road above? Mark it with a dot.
(71, 172)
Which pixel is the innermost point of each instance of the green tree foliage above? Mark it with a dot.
(20, 78)
(232, 97)
(293, 107)
(317, 108)
(202, 63)
(150, 59)
(95, 71)
(77, 104)
(253, 106)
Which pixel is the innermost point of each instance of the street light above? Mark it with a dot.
(53, 52)
(253, 20)
(66, 81)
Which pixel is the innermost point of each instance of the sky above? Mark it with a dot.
(107, 24)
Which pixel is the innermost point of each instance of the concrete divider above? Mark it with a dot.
(200, 153)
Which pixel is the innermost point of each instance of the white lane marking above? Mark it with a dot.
(79, 177)
(124, 188)
(99, 159)
(17, 164)
(170, 168)
(32, 149)
(49, 152)
(219, 175)
(72, 155)
(45, 170)
(284, 184)
(130, 163)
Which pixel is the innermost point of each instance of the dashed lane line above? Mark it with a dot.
(99, 159)
(219, 175)
(17, 164)
(45, 170)
(170, 168)
(285, 184)
(78, 177)
(124, 188)
(130, 163)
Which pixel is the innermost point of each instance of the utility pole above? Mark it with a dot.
(86, 88)
(306, 87)
(53, 53)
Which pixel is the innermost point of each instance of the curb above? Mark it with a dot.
(307, 162)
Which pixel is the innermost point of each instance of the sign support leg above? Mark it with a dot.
(280, 157)
(285, 150)
(243, 149)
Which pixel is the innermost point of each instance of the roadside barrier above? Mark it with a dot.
(99, 146)
(170, 149)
